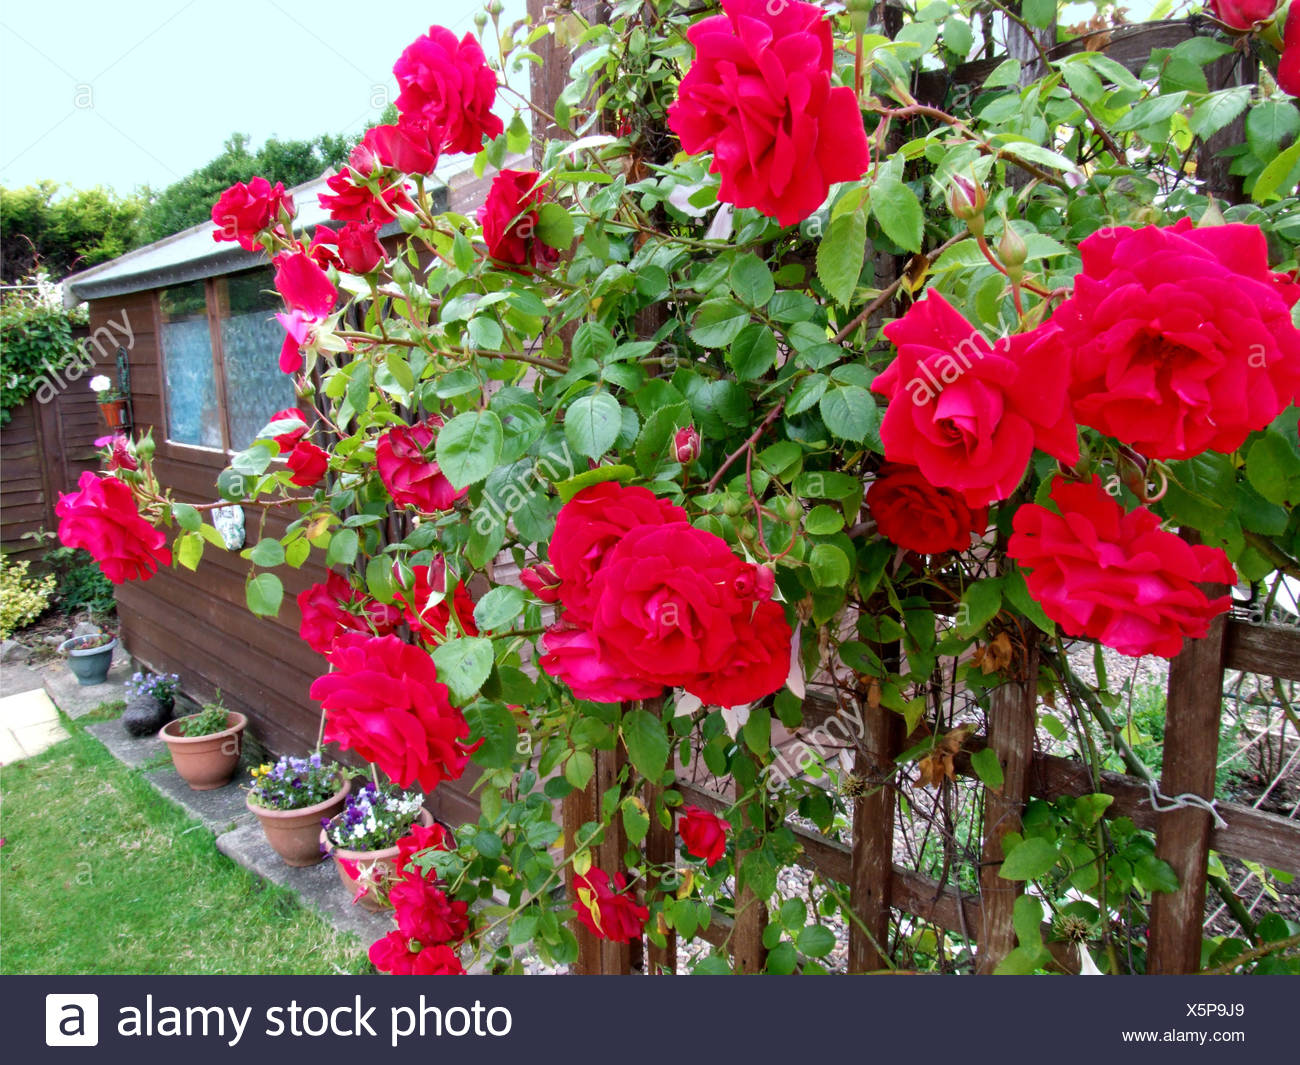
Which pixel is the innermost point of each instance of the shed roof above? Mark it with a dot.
(192, 253)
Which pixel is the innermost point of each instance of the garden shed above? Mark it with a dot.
(201, 373)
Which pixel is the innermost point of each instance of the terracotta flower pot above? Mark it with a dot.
(206, 762)
(295, 834)
(114, 412)
(384, 862)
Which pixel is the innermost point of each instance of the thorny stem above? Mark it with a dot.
(753, 439)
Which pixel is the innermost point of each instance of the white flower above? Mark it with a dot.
(100, 383)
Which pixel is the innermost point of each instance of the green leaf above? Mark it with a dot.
(485, 333)
(267, 552)
(1280, 173)
(980, 604)
(580, 768)
(592, 424)
(652, 444)
(1218, 109)
(898, 211)
(264, 594)
(1029, 859)
(718, 323)
(463, 665)
(823, 521)
(988, 768)
(757, 730)
(829, 566)
(189, 550)
(840, 256)
(806, 393)
(566, 490)
(1273, 468)
(816, 940)
(753, 352)
(496, 726)
(1038, 13)
(751, 281)
(635, 823)
(186, 517)
(647, 743)
(555, 226)
(469, 447)
(850, 412)
(1016, 592)
(499, 608)
(343, 548)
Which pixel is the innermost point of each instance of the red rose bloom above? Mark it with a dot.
(588, 526)
(509, 220)
(607, 911)
(427, 622)
(1241, 14)
(353, 201)
(450, 82)
(121, 455)
(354, 249)
(297, 329)
(289, 440)
(334, 608)
(1288, 66)
(304, 285)
(412, 146)
(406, 466)
(425, 913)
(101, 517)
(970, 413)
(1116, 577)
(422, 838)
(308, 464)
(243, 211)
(393, 954)
(759, 96)
(384, 701)
(666, 610)
(914, 514)
(704, 833)
(1181, 339)
(572, 656)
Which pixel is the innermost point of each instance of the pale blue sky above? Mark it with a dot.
(125, 94)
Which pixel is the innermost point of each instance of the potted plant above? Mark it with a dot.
(112, 403)
(292, 798)
(149, 701)
(363, 839)
(205, 746)
(90, 656)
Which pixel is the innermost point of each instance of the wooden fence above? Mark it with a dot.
(878, 887)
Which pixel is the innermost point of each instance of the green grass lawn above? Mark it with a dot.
(101, 874)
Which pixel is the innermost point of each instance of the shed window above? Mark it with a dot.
(221, 351)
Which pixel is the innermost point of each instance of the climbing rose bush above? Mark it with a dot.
(807, 374)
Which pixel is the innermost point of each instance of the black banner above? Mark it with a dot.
(140, 1019)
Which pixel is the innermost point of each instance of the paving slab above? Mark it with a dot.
(135, 751)
(317, 886)
(29, 724)
(77, 700)
(221, 809)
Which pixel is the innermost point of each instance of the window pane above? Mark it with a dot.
(250, 343)
(192, 415)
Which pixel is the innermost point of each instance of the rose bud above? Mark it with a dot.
(686, 445)
(1013, 252)
(542, 581)
(967, 200)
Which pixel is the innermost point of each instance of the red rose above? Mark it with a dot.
(308, 464)
(429, 622)
(704, 833)
(970, 413)
(304, 285)
(542, 581)
(759, 96)
(406, 466)
(101, 517)
(1241, 14)
(411, 146)
(353, 201)
(1288, 66)
(243, 211)
(450, 82)
(666, 611)
(686, 445)
(384, 701)
(354, 249)
(422, 838)
(425, 913)
(608, 912)
(588, 526)
(914, 514)
(1116, 577)
(287, 441)
(393, 954)
(297, 328)
(572, 656)
(331, 609)
(1181, 339)
(121, 455)
(509, 220)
